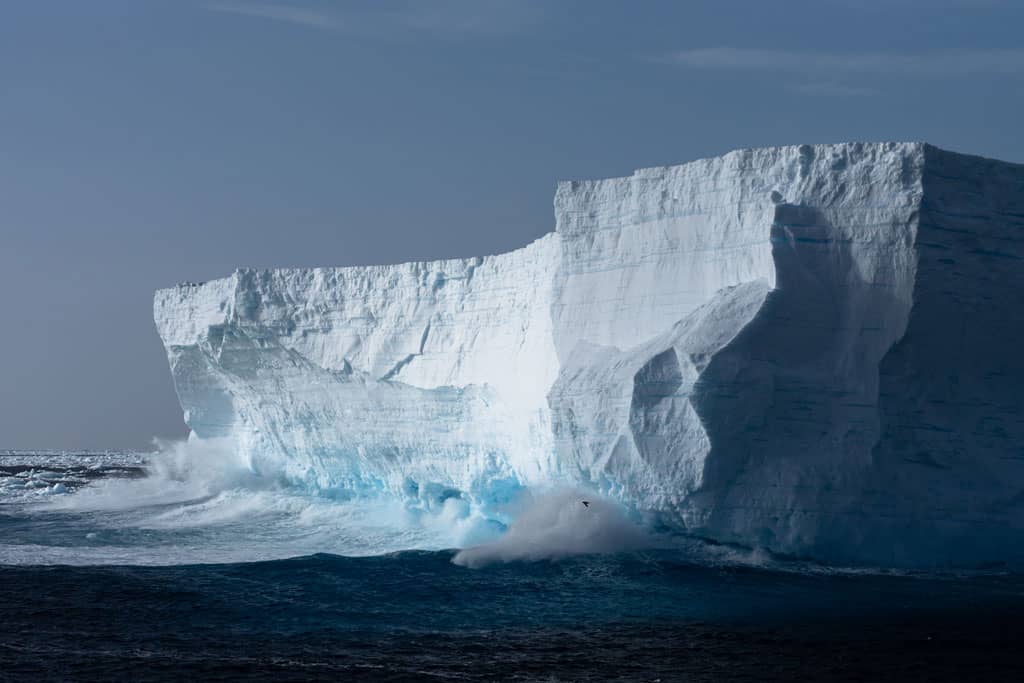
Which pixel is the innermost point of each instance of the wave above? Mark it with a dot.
(200, 501)
(561, 524)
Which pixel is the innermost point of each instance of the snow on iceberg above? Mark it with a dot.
(808, 349)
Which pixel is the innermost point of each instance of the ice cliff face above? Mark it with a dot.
(809, 349)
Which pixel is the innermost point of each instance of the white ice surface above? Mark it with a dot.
(807, 349)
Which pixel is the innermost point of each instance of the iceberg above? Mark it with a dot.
(808, 349)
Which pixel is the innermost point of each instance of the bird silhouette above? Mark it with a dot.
(586, 503)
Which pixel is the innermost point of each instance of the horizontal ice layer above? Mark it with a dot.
(803, 348)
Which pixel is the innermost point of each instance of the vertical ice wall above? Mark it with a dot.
(356, 378)
(947, 472)
(760, 347)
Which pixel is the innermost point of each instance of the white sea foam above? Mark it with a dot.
(559, 524)
(201, 502)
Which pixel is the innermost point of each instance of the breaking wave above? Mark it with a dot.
(199, 501)
(560, 524)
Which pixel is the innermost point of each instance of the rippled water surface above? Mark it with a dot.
(137, 606)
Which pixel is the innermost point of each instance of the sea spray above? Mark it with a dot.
(559, 524)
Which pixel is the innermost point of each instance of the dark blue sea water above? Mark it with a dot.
(639, 616)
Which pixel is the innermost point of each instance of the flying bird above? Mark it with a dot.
(586, 503)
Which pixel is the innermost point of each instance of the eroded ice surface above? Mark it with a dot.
(807, 349)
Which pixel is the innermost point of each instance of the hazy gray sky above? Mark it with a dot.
(148, 142)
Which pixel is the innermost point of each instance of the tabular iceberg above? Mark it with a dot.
(808, 349)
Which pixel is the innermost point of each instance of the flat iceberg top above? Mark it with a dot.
(748, 161)
(735, 162)
(750, 157)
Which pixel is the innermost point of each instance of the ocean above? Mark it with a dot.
(111, 569)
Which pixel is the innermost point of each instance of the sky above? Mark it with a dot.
(150, 142)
